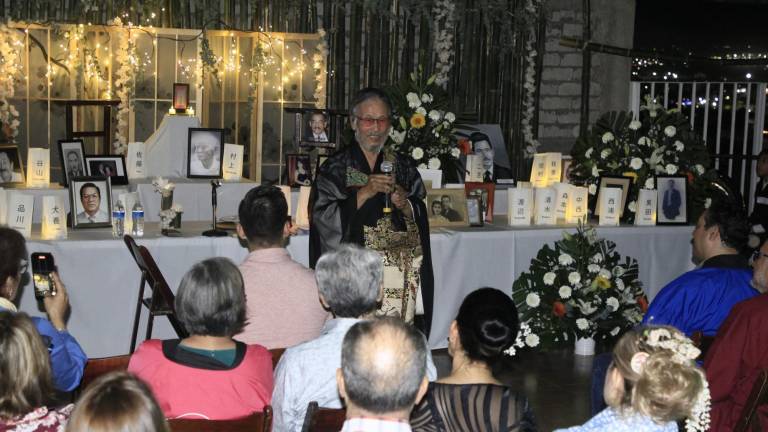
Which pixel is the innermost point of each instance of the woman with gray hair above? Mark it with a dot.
(207, 375)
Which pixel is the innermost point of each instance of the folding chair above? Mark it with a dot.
(256, 422)
(323, 419)
(277, 353)
(97, 367)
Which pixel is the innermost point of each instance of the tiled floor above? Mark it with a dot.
(557, 384)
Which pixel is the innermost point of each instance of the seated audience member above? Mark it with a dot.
(117, 402)
(652, 383)
(382, 374)
(349, 280)
(26, 386)
(207, 375)
(276, 287)
(739, 352)
(471, 397)
(67, 358)
(701, 299)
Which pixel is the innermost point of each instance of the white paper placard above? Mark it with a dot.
(20, 209)
(554, 164)
(38, 167)
(302, 217)
(544, 206)
(54, 220)
(610, 206)
(286, 190)
(135, 160)
(524, 184)
(129, 199)
(646, 207)
(539, 170)
(3, 206)
(577, 210)
(519, 206)
(474, 169)
(435, 177)
(562, 200)
(233, 162)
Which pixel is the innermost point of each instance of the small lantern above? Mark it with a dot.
(233, 163)
(180, 97)
(38, 168)
(54, 220)
(577, 205)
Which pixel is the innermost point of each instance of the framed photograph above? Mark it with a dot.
(107, 166)
(485, 192)
(180, 97)
(205, 151)
(90, 201)
(299, 170)
(72, 160)
(566, 168)
(316, 129)
(447, 207)
(11, 168)
(474, 211)
(671, 201)
(614, 182)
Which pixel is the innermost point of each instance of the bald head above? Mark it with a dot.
(383, 363)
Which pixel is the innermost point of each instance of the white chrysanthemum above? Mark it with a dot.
(605, 273)
(592, 189)
(422, 166)
(670, 131)
(451, 117)
(588, 153)
(597, 258)
(607, 137)
(549, 278)
(434, 163)
(532, 300)
(699, 169)
(643, 141)
(413, 100)
(582, 324)
(636, 163)
(426, 98)
(679, 146)
(635, 125)
(605, 153)
(421, 110)
(649, 183)
(574, 278)
(434, 115)
(455, 152)
(632, 206)
(417, 153)
(565, 259)
(595, 171)
(612, 303)
(532, 340)
(565, 291)
(593, 268)
(671, 169)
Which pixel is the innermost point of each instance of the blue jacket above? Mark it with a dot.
(67, 358)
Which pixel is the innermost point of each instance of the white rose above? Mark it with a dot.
(451, 117)
(434, 115)
(607, 137)
(699, 168)
(549, 278)
(643, 141)
(421, 110)
(679, 146)
(593, 268)
(635, 125)
(671, 169)
(649, 183)
(597, 258)
(592, 189)
(455, 152)
(605, 153)
(434, 163)
(574, 278)
(670, 131)
(532, 300)
(413, 100)
(612, 303)
(565, 259)
(588, 153)
(636, 163)
(532, 340)
(632, 206)
(605, 273)
(582, 324)
(595, 171)
(426, 98)
(565, 291)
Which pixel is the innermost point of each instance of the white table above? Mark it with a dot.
(102, 278)
(194, 196)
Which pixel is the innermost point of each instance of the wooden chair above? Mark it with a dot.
(256, 422)
(161, 301)
(749, 419)
(277, 353)
(97, 367)
(702, 342)
(323, 419)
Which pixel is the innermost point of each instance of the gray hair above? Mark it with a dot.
(211, 299)
(383, 362)
(369, 93)
(349, 279)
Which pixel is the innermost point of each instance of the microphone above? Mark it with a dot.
(386, 168)
(215, 184)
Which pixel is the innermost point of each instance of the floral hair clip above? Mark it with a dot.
(525, 337)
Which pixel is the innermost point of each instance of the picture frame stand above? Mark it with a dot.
(215, 184)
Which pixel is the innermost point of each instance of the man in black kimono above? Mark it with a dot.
(348, 203)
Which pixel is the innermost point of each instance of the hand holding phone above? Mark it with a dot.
(56, 306)
(42, 268)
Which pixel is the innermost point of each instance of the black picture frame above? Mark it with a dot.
(622, 182)
(75, 166)
(293, 161)
(77, 209)
(180, 97)
(305, 133)
(107, 166)
(212, 137)
(664, 216)
(11, 166)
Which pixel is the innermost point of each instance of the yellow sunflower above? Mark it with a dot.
(601, 282)
(418, 121)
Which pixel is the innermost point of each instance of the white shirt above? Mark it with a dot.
(100, 216)
(196, 167)
(307, 372)
(363, 424)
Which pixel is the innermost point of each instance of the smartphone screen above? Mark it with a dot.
(42, 267)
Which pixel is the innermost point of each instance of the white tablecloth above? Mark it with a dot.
(166, 150)
(194, 196)
(102, 278)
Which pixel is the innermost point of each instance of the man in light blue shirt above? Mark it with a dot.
(350, 284)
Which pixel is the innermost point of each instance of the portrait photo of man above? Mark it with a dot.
(74, 164)
(317, 130)
(205, 150)
(671, 200)
(10, 167)
(448, 211)
(72, 153)
(92, 207)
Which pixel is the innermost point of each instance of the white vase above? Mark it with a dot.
(584, 347)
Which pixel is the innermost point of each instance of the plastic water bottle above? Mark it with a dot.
(137, 215)
(118, 220)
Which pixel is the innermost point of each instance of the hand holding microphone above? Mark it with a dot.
(386, 168)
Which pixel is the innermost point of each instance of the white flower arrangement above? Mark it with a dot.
(320, 66)
(444, 22)
(549, 278)
(11, 48)
(127, 64)
(529, 86)
(163, 186)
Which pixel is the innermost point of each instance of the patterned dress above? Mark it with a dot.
(40, 420)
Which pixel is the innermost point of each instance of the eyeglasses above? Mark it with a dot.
(370, 121)
(757, 254)
(23, 266)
